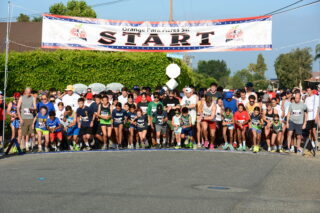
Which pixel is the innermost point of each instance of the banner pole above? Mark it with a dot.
(6, 74)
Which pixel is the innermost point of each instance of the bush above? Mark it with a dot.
(47, 69)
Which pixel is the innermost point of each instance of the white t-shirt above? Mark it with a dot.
(244, 102)
(60, 115)
(86, 103)
(123, 100)
(191, 101)
(71, 100)
(312, 103)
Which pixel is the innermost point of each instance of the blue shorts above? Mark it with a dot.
(16, 124)
(187, 131)
(259, 131)
(74, 130)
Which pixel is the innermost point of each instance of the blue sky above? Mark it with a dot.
(289, 29)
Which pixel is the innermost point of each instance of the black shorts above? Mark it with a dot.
(116, 125)
(86, 131)
(142, 129)
(96, 129)
(297, 128)
(311, 125)
(107, 125)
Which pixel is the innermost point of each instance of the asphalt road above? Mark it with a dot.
(159, 181)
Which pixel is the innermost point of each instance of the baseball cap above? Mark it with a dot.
(89, 96)
(70, 88)
(229, 95)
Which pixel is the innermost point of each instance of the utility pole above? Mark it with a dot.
(171, 11)
(6, 73)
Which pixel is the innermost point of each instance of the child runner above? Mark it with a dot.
(177, 127)
(131, 116)
(55, 129)
(104, 115)
(256, 123)
(15, 122)
(85, 119)
(40, 123)
(268, 118)
(141, 122)
(71, 127)
(276, 134)
(160, 118)
(241, 119)
(228, 124)
(118, 116)
(208, 119)
(186, 131)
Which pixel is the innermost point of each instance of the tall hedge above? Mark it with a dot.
(47, 69)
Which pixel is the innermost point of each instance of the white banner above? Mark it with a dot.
(242, 34)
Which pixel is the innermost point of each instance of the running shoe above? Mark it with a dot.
(46, 149)
(240, 148)
(287, 150)
(206, 144)
(281, 150)
(142, 146)
(225, 146)
(137, 146)
(87, 148)
(186, 142)
(299, 151)
(231, 147)
(254, 149)
(104, 147)
(76, 148)
(39, 149)
(177, 147)
(195, 146)
(199, 145)
(269, 149)
(190, 145)
(292, 149)
(244, 148)
(273, 150)
(211, 147)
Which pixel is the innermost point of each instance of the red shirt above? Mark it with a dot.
(241, 117)
(138, 99)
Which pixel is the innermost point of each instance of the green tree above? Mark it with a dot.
(200, 80)
(317, 52)
(23, 18)
(258, 71)
(37, 19)
(294, 67)
(216, 69)
(73, 8)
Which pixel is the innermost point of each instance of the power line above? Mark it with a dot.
(304, 5)
(283, 7)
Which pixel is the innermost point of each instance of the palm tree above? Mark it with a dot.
(317, 52)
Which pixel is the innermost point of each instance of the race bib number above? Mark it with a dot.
(26, 111)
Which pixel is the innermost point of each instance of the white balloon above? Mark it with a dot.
(172, 84)
(173, 71)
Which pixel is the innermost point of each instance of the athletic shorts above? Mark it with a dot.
(258, 130)
(85, 131)
(116, 125)
(15, 123)
(187, 131)
(107, 125)
(212, 124)
(55, 135)
(142, 129)
(162, 129)
(44, 132)
(238, 127)
(26, 127)
(311, 125)
(132, 126)
(74, 130)
(177, 130)
(230, 126)
(297, 128)
(96, 129)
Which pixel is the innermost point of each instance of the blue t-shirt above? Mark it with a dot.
(53, 124)
(118, 116)
(49, 106)
(85, 114)
(94, 107)
(41, 121)
(230, 104)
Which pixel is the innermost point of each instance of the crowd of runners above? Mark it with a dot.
(142, 118)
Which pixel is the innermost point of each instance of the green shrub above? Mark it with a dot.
(47, 69)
